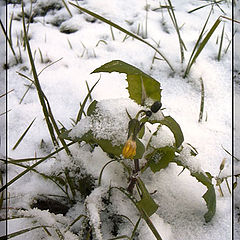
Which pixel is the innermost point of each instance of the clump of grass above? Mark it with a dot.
(201, 43)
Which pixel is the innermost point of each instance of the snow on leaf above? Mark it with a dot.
(209, 196)
(174, 127)
(140, 85)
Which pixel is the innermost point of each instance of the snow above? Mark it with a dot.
(82, 44)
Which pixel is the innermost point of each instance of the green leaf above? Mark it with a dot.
(140, 149)
(105, 144)
(174, 127)
(140, 85)
(160, 158)
(146, 203)
(209, 196)
(92, 108)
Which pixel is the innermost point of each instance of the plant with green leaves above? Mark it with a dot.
(145, 91)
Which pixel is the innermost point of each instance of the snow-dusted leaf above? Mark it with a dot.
(140, 85)
(160, 158)
(146, 203)
(174, 127)
(209, 196)
(105, 144)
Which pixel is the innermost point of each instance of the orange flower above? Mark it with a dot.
(129, 150)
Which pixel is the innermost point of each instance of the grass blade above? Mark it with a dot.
(122, 30)
(198, 48)
(220, 44)
(9, 41)
(100, 175)
(202, 101)
(37, 83)
(75, 220)
(32, 167)
(66, 6)
(34, 170)
(6, 93)
(174, 20)
(135, 228)
(23, 135)
(79, 116)
(15, 234)
(141, 211)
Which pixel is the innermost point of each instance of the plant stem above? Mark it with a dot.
(133, 177)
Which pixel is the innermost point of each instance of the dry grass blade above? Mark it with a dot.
(23, 135)
(122, 30)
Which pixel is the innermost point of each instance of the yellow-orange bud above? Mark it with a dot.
(129, 150)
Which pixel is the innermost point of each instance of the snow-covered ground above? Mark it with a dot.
(82, 44)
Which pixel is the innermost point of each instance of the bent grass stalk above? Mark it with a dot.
(37, 84)
(51, 123)
(122, 30)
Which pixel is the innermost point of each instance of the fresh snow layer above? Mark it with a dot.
(80, 44)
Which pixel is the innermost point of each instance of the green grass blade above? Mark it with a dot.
(37, 84)
(121, 29)
(21, 160)
(197, 43)
(120, 237)
(32, 167)
(66, 6)
(100, 175)
(221, 43)
(18, 233)
(9, 41)
(79, 116)
(56, 127)
(175, 24)
(205, 40)
(25, 93)
(6, 93)
(141, 211)
(23, 135)
(135, 228)
(49, 65)
(34, 170)
(202, 101)
(10, 29)
(198, 48)
(76, 220)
